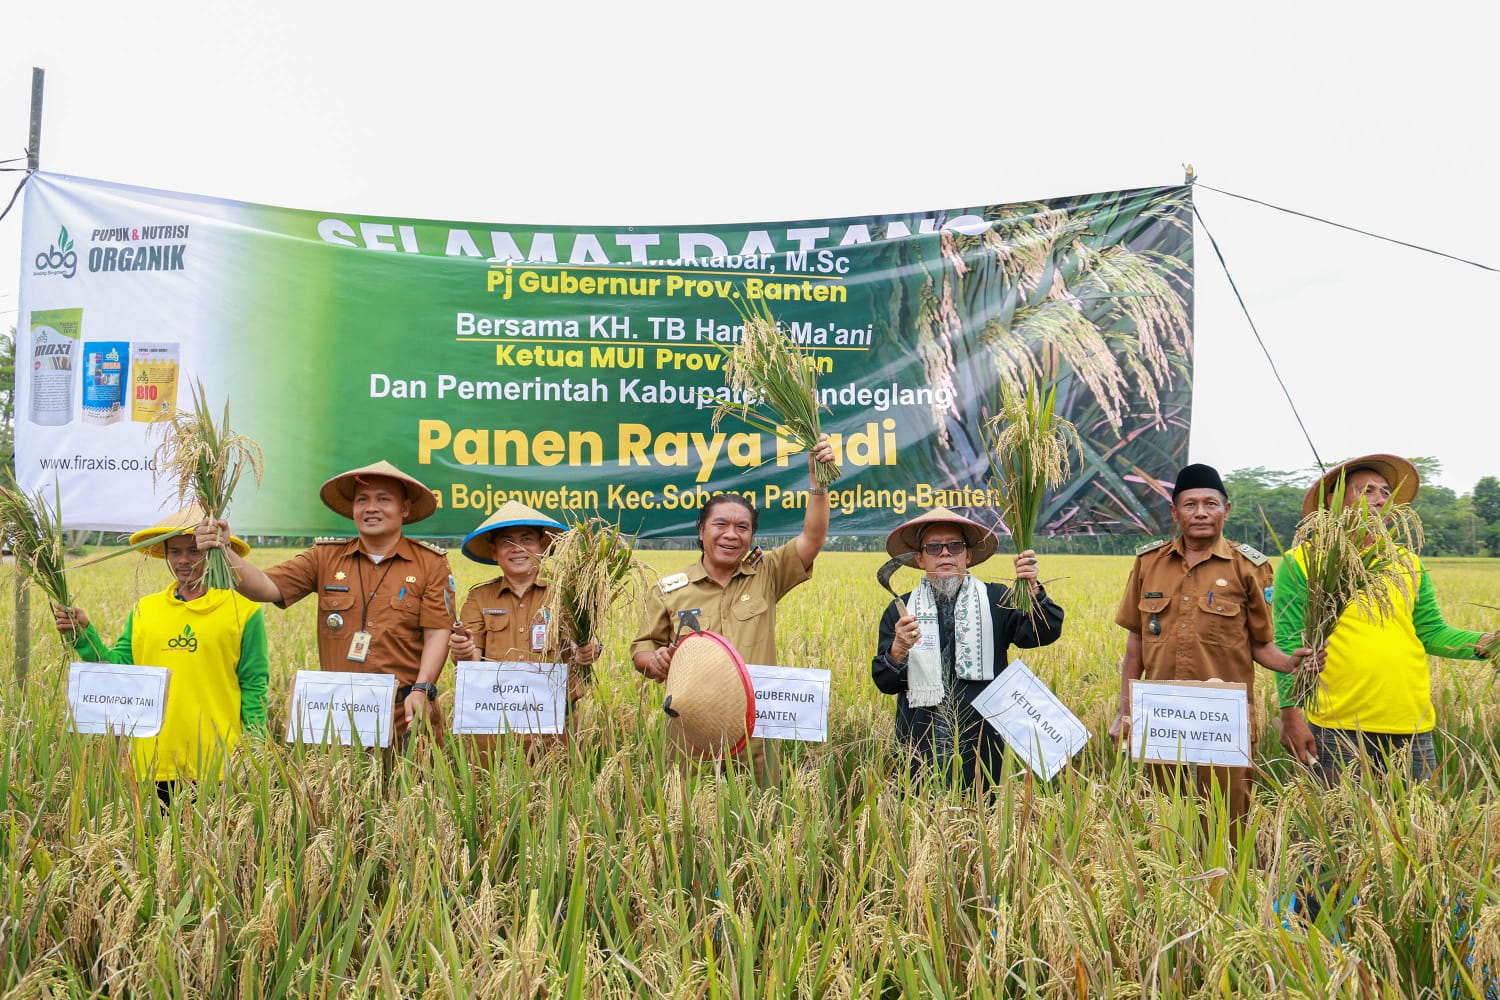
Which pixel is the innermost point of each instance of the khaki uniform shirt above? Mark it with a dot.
(743, 612)
(502, 623)
(393, 600)
(1207, 617)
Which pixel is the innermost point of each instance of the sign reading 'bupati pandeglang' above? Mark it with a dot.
(504, 697)
(578, 368)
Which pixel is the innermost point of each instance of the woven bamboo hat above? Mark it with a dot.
(908, 537)
(187, 517)
(1398, 472)
(338, 493)
(479, 544)
(710, 703)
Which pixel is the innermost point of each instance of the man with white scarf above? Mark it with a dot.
(952, 642)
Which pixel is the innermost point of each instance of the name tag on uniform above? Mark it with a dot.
(359, 646)
(538, 637)
(674, 582)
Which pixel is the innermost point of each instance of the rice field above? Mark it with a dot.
(610, 872)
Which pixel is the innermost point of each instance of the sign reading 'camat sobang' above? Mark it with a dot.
(578, 368)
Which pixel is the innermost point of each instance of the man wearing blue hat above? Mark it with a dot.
(505, 619)
(1197, 607)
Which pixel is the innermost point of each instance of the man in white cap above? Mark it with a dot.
(937, 669)
(213, 641)
(733, 588)
(505, 619)
(382, 598)
(1375, 696)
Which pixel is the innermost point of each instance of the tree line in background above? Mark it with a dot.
(1267, 503)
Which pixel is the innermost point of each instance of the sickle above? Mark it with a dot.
(884, 574)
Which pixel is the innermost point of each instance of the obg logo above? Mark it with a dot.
(60, 257)
(187, 640)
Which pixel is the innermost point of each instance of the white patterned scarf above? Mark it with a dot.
(973, 641)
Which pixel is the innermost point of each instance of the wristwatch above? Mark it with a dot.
(427, 688)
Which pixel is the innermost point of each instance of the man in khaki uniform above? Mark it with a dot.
(382, 598)
(733, 587)
(1198, 607)
(505, 619)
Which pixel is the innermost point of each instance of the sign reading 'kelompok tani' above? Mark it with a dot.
(578, 368)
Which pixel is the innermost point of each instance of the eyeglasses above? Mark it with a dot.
(953, 548)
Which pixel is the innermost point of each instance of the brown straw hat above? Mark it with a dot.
(338, 493)
(479, 544)
(710, 703)
(1398, 472)
(187, 517)
(908, 537)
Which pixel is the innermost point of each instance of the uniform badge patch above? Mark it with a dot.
(1269, 592)
(674, 582)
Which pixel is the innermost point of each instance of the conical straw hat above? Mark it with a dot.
(338, 493)
(187, 517)
(710, 703)
(908, 537)
(480, 547)
(1398, 472)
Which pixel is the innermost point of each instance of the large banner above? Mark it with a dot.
(577, 368)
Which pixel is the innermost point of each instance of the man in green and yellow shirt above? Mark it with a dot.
(213, 642)
(1376, 695)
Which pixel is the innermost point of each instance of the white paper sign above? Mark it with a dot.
(506, 697)
(1036, 725)
(117, 698)
(337, 706)
(791, 703)
(1190, 722)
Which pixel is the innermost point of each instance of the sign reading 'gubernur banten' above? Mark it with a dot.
(791, 703)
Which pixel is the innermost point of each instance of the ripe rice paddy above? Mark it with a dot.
(610, 872)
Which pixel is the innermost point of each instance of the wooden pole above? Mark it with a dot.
(34, 146)
(23, 591)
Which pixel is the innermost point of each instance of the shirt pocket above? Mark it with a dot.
(336, 615)
(1223, 622)
(1154, 608)
(745, 610)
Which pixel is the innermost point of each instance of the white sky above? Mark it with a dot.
(1379, 115)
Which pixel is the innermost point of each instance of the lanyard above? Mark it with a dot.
(359, 568)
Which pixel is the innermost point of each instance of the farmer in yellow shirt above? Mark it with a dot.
(1376, 692)
(213, 641)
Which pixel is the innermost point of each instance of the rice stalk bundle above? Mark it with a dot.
(34, 533)
(1350, 553)
(1028, 454)
(588, 568)
(203, 458)
(776, 383)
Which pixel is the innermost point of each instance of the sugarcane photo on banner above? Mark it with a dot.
(203, 460)
(588, 568)
(1028, 450)
(1350, 554)
(776, 382)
